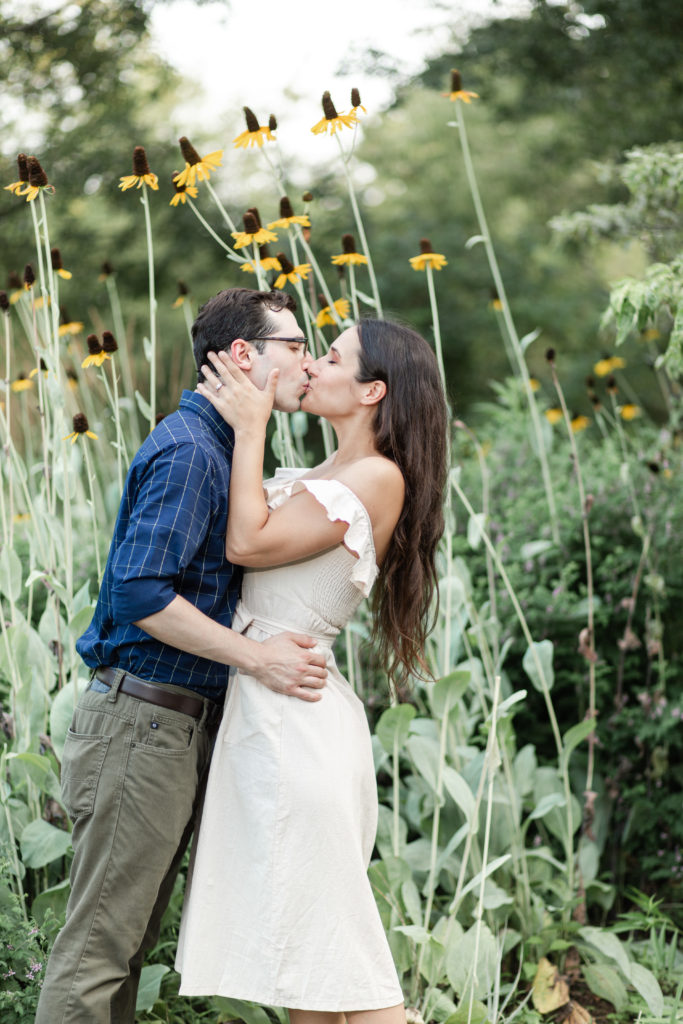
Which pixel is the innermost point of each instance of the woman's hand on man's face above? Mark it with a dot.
(229, 390)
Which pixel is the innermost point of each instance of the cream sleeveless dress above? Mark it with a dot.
(279, 909)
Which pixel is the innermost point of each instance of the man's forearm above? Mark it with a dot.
(180, 624)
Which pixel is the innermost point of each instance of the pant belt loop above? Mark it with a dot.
(114, 690)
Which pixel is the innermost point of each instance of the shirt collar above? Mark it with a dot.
(206, 412)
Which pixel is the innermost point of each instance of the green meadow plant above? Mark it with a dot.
(492, 866)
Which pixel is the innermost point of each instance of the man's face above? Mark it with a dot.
(289, 357)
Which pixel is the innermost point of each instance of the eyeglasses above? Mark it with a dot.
(291, 341)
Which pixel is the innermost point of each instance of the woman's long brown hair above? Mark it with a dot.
(410, 428)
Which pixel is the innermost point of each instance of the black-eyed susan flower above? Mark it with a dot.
(290, 272)
(607, 365)
(96, 355)
(67, 325)
(37, 180)
(457, 92)
(106, 270)
(332, 121)
(595, 401)
(252, 233)
(272, 122)
(349, 256)
(630, 411)
(22, 383)
(43, 369)
(427, 257)
(256, 134)
(288, 217)
(183, 292)
(494, 301)
(29, 277)
(611, 386)
(579, 422)
(553, 416)
(80, 426)
(15, 286)
(181, 192)
(142, 174)
(57, 266)
(342, 308)
(71, 380)
(267, 261)
(4, 302)
(356, 104)
(197, 168)
(550, 355)
(21, 185)
(109, 343)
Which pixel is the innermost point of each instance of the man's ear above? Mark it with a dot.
(242, 354)
(374, 392)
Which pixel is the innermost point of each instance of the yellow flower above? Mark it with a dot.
(43, 367)
(22, 383)
(255, 133)
(253, 232)
(21, 186)
(290, 272)
(579, 423)
(553, 415)
(534, 384)
(457, 92)
(267, 262)
(607, 365)
(183, 292)
(332, 120)
(71, 327)
(56, 259)
(97, 354)
(142, 175)
(80, 426)
(349, 254)
(197, 168)
(182, 192)
(342, 307)
(288, 217)
(630, 411)
(649, 334)
(427, 257)
(21, 517)
(355, 102)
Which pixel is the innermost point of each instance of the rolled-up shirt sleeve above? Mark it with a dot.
(169, 519)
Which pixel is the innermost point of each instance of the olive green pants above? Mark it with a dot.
(133, 777)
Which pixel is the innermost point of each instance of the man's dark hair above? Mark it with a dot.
(235, 313)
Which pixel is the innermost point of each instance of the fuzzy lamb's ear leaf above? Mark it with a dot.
(394, 726)
(538, 664)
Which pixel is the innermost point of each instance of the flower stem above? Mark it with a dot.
(152, 316)
(361, 229)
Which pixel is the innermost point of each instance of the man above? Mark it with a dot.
(159, 645)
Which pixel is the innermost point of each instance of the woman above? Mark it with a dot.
(279, 908)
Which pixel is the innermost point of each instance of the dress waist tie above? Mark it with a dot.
(244, 618)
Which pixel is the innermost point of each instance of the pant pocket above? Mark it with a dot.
(82, 762)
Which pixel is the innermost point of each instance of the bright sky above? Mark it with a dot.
(279, 57)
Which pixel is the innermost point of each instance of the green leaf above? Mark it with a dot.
(415, 932)
(39, 769)
(425, 754)
(647, 986)
(464, 973)
(574, 736)
(474, 883)
(608, 945)
(534, 547)
(150, 986)
(55, 899)
(470, 1012)
(411, 901)
(540, 654)
(476, 526)
(10, 573)
(143, 406)
(446, 692)
(238, 1009)
(62, 711)
(458, 788)
(546, 804)
(41, 843)
(394, 725)
(604, 981)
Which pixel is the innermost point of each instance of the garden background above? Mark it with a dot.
(529, 859)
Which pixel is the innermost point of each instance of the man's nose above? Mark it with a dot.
(306, 361)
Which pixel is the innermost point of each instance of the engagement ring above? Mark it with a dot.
(219, 385)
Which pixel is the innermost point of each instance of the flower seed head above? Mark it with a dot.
(251, 119)
(329, 109)
(550, 355)
(425, 245)
(158, 418)
(654, 467)
(4, 302)
(140, 165)
(287, 267)
(250, 223)
(29, 276)
(286, 207)
(456, 80)
(80, 423)
(182, 288)
(56, 258)
(272, 123)
(257, 216)
(611, 386)
(348, 244)
(307, 197)
(107, 269)
(590, 383)
(94, 347)
(36, 175)
(22, 166)
(355, 98)
(189, 152)
(13, 280)
(109, 342)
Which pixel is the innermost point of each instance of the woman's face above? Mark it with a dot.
(333, 389)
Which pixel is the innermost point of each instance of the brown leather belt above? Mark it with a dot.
(152, 694)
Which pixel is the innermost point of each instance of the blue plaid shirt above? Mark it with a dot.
(169, 539)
